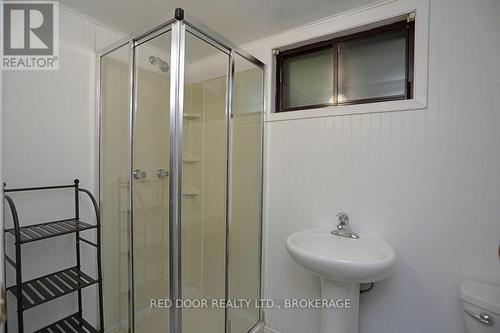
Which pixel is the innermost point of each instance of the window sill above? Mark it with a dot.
(342, 110)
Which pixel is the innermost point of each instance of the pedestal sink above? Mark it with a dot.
(342, 265)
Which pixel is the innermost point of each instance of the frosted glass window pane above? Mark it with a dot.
(308, 79)
(372, 67)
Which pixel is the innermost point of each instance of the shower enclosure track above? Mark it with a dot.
(46, 288)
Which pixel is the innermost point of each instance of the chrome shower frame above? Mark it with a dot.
(178, 25)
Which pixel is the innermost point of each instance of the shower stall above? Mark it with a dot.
(180, 174)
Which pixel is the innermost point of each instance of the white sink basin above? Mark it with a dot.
(342, 264)
(338, 258)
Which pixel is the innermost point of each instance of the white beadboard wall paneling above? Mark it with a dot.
(48, 137)
(427, 181)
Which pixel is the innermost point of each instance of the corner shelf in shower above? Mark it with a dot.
(190, 191)
(191, 116)
(43, 289)
(190, 159)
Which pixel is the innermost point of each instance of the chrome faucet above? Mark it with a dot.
(343, 227)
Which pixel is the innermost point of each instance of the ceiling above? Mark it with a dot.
(238, 20)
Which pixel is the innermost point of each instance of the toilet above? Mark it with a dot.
(481, 307)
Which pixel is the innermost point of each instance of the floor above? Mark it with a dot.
(151, 320)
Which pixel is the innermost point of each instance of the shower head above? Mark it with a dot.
(162, 64)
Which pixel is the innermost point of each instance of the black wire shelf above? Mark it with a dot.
(52, 286)
(29, 294)
(73, 323)
(45, 230)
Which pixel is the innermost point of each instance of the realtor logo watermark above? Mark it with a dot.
(30, 35)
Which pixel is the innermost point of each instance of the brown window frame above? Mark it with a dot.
(407, 26)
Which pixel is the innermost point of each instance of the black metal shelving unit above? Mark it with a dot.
(29, 294)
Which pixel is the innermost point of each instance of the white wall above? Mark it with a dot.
(48, 137)
(427, 181)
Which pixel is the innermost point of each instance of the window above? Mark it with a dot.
(370, 66)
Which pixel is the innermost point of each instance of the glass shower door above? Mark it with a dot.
(204, 185)
(246, 193)
(150, 184)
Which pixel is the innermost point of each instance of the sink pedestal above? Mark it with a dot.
(340, 320)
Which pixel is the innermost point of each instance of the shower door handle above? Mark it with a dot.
(162, 173)
(139, 174)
